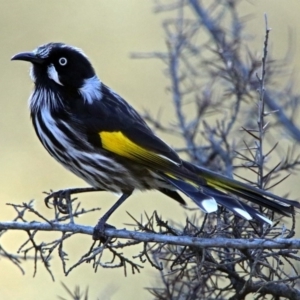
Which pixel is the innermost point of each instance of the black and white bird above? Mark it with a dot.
(97, 135)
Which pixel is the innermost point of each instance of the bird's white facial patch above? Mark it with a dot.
(52, 74)
(91, 90)
(31, 73)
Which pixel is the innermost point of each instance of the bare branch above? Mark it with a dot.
(158, 238)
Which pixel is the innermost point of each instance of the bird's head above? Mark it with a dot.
(58, 64)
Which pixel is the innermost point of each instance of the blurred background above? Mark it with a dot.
(108, 31)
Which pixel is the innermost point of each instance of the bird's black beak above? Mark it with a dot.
(28, 56)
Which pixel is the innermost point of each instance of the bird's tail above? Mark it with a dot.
(211, 189)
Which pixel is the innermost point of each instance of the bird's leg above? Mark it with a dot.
(99, 229)
(61, 195)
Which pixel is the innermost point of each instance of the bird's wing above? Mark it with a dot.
(118, 128)
(113, 125)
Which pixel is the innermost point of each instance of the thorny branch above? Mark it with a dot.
(262, 127)
(213, 57)
(182, 240)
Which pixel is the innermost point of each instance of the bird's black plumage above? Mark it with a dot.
(97, 135)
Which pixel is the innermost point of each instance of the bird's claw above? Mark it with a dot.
(60, 200)
(99, 232)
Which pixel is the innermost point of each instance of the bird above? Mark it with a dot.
(94, 133)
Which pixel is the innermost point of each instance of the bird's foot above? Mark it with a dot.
(60, 199)
(99, 231)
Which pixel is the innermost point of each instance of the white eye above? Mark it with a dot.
(62, 61)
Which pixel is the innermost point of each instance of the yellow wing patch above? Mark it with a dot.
(118, 143)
